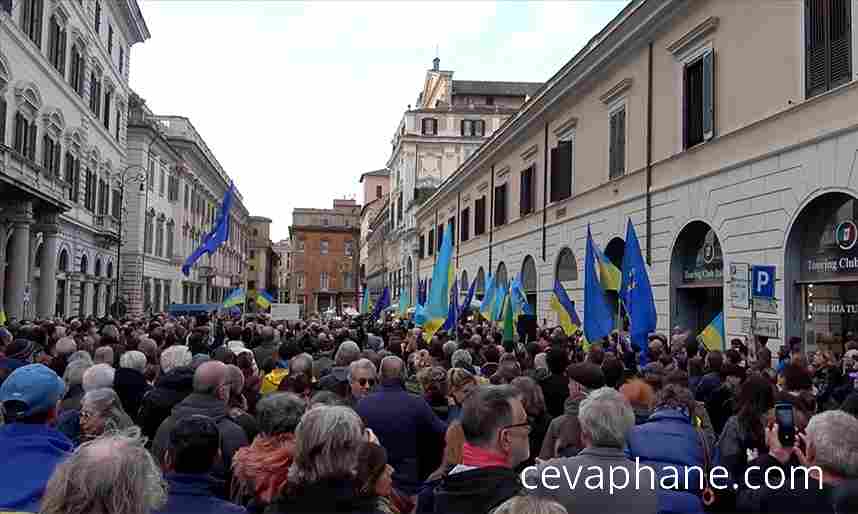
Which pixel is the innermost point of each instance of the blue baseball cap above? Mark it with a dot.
(36, 386)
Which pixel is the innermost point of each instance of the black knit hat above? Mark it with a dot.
(587, 374)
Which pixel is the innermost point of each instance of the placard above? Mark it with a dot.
(740, 288)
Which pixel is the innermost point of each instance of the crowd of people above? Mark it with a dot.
(229, 415)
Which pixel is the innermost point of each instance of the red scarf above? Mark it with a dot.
(482, 458)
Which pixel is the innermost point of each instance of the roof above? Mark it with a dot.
(481, 87)
(384, 172)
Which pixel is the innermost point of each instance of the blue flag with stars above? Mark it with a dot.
(636, 293)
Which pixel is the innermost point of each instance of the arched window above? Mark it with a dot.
(84, 264)
(481, 284)
(501, 280)
(171, 230)
(38, 257)
(464, 285)
(159, 237)
(63, 261)
(528, 280)
(97, 267)
(109, 270)
(567, 267)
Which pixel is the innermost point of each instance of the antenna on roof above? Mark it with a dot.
(436, 62)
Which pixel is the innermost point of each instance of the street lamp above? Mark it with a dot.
(123, 179)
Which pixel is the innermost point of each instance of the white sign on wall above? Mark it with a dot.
(740, 290)
(285, 311)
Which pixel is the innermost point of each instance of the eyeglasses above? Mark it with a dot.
(525, 424)
(364, 381)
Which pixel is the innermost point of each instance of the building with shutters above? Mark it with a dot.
(174, 189)
(63, 102)
(448, 122)
(263, 260)
(376, 197)
(726, 132)
(283, 249)
(325, 259)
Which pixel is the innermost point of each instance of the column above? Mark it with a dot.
(85, 295)
(48, 280)
(19, 260)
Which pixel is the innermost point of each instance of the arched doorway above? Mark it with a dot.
(528, 280)
(480, 290)
(821, 272)
(696, 277)
(501, 280)
(614, 251)
(464, 285)
(566, 269)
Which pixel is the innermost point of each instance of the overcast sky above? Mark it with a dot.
(296, 100)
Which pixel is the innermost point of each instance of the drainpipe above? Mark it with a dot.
(544, 190)
(491, 215)
(458, 225)
(649, 159)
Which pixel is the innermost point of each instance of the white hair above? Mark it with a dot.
(177, 356)
(834, 435)
(327, 442)
(133, 360)
(347, 353)
(98, 376)
(75, 371)
(360, 364)
(65, 346)
(461, 358)
(606, 417)
(540, 361)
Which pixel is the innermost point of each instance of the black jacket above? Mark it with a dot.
(324, 497)
(232, 436)
(476, 491)
(170, 389)
(555, 389)
(131, 386)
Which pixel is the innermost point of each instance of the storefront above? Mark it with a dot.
(696, 277)
(822, 272)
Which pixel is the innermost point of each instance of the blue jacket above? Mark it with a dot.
(30, 454)
(668, 439)
(194, 494)
(402, 421)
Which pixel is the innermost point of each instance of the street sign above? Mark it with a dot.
(763, 281)
(746, 325)
(740, 291)
(766, 305)
(767, 327)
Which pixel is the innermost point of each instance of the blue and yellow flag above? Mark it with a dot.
(234, 298)
(565, 309)
(609, 275)
(598, 321)
(636, 293)
(438, 303)
(382, 303)
(488, 297)
(520, 304)
(404, 301)
(264, 300)
(713, 335)
(364, 304)
(466, 307)
(500, 298)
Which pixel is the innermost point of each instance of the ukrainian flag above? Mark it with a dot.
(235, 297)
(364, 304)
(404, 301)
(443, 276)
(497, 308)
(713, 335)
(565, 309)
(264, 300)
(609, 275)
(488, 297)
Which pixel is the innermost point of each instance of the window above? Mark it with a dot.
(429, 126)
(116, 204)
(121, 60)
(526, 201)
(162, 181)
(828, 35)
(110, 40)
(2, 120)
(95, 93)
(698, 105)
(147, 233)
(465, 219)
(187, 195)
(348, 282)
(171, 230)
(500, 205)
(421, 247)
(89, 190)
(31, 20)
(173, 188)
(323, 247)
(97, 17)
(323, 280)
(159, 238)
(349, 247)
(50, 155)
(452, 224)
(103, 196)
(325, 222)
(299, 281)
(617, 153)
(480, 216)
(150, 175)
(106, 118)
(473, 128)
(378, 191)
(561, 171)
(57, 45)
(118, 122)
(252, 254)
(439, 234)
(490, 100)
(25, 137)
(300, 246)
(431, 240)
(76, 70)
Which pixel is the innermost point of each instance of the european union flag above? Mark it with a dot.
(468, 299)
(598, 321)
(218, 235)
(382, 303)
(636, 293)
(453, 312)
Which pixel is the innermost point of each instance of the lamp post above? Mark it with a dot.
(123, 179)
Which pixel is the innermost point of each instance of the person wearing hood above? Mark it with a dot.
(173, 385)
(210, 397)
(262, 469)
(193, 451)
(496, 429)
(130, 382)
(31, 449)
(564, 433)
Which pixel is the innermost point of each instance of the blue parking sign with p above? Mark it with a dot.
(763, 281)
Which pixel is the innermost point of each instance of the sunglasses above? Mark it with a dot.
(364, 381)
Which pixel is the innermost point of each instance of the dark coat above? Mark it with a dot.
(796, 498)
(131, 386)
(414, 424)
(264, 352)
(193, 494)
(555, 389)
(72, 399)
(232, 436)
(707, 385)
(169, 390)
(564, 431)
(324, 497)
(475, 491)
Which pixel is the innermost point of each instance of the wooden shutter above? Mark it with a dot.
(422, 247)
(462, 127)
(561, 171)
(463, 223)
(31, 142)
(431, 239)
(2, 121)
(612, 152)
(37, 23)
(840, 29)
(500, 206)
(439, 234)
(482, 126)
(525, 192)
(62, 50)
(47, 153)
(57, 150)
(708, 95)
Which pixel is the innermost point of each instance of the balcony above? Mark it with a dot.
(108, 229)
(29, 177)
(206, 271)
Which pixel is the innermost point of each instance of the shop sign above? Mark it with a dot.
(767, 327)
(766, 305)
(703, 275)
(703, 260)
(831, 250)
(835, 308)
(739, 285)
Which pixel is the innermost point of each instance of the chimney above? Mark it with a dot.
(436, 64)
